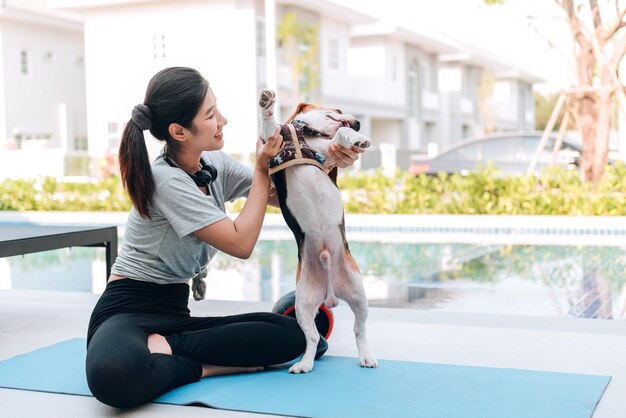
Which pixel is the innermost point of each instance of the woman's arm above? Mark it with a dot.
(239, 237)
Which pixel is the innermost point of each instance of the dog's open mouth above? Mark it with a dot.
(342, 122)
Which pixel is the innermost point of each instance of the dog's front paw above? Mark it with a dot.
(267, 99)
(348, 137)
(368, 361)
(301, 367)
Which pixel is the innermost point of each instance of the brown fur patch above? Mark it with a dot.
(298, 271)
(301, 108)
(347, 257)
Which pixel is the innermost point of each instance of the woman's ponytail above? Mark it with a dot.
(135, 163)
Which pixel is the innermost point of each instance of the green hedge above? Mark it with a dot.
(47, 193)
(485, 191)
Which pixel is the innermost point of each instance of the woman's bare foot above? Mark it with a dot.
(210, 370)
(158, 344)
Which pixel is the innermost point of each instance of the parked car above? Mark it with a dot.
(510, 152)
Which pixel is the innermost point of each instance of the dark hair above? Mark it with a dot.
(174, 95)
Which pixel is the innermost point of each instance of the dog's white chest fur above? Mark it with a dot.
(312, 198)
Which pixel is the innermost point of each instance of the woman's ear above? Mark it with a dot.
(177, 132)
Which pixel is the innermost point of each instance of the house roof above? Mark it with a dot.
(89, 4)
(500, 67)
(428, 40)
(332, 9)
(40, 16)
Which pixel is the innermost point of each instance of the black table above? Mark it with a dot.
(27, 239)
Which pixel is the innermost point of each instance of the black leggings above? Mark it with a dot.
(123, 373)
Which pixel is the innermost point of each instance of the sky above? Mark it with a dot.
(531, 34)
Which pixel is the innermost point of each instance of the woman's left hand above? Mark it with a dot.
(271, 148)
(344, 157)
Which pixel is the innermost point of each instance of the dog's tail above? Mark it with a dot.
(331, 300)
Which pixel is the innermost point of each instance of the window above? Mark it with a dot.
(159, 46)
(24, 62)
(112, 128)
(566, 154)
(81, 143)
(503, 149)
(469, 152)
(412, 91)
(114, 139)
(425, 72)
(333, 54)
(260, 38)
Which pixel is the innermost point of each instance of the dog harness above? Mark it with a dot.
(295, 150)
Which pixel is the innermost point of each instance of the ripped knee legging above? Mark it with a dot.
(123, 373)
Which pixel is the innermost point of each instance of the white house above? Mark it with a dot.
(387, 76)
(43, 125)
(395, 74)
(481, 92)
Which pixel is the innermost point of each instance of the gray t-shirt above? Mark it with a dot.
(164, 249)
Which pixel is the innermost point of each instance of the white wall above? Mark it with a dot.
(385, 131)
(334, 81)
(33, 101)
(378, 70)
(217, 38)
(505, 101)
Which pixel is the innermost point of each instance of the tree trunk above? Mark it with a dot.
(586, 109)
(586, 119)
(603, 128)
(592, 109)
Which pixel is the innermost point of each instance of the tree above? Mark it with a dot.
(299, 42)
(599, 46)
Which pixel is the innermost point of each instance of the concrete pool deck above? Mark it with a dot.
(34, 319)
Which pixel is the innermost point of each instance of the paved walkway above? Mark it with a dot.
(34, 319)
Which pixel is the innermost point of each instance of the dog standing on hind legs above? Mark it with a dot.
(312, 207)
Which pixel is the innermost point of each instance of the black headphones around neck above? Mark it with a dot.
(203, 177)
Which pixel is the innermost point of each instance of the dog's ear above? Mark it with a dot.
(302, 107)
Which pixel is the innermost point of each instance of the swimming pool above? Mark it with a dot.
(491, 277)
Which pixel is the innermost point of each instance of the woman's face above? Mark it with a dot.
(208, 124)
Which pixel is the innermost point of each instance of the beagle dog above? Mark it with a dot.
(312, 207)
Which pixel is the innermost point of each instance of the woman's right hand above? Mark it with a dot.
(271, 148)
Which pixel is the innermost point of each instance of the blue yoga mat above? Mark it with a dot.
(338, 387)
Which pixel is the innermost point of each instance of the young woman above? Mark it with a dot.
(142, 341)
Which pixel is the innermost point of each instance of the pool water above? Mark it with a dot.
(540, 280)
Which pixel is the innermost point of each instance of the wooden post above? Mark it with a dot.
(546, 133)
(559, 138)
(619, 92)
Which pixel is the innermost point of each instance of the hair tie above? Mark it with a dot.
(142, 116)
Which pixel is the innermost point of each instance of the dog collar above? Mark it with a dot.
(295, 151)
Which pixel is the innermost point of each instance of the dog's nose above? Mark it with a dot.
(357, 125)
